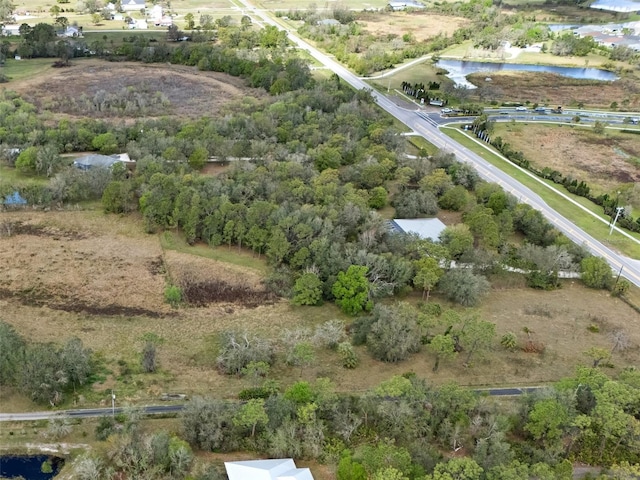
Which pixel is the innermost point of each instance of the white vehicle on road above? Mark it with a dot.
(521, 108)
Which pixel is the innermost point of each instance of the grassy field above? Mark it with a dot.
(9, 175)
(20, 70)
(422, 25)
(71, 274)
(608, 162)
(420, 73)
(190, 93)
(594, 227)
(241, 257)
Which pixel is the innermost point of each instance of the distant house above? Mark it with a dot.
(163, 22)
(328, 22)
(280, 469)
(404, 4)
(101, 161)
(10, 30)
(133, 5)
(138, 25)
(70, 32)
(425, 228)
(155, 13)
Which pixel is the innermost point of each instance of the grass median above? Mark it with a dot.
(588, 223)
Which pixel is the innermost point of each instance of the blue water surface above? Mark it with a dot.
(28, 467)
(458, 69)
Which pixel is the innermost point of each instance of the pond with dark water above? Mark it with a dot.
(459, 69)
(28, 467)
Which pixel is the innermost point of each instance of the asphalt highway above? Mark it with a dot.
(429, 130)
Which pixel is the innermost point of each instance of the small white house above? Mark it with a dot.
(163, 22)
(396, 5)
(138, 25)
(70, 32)
(277, 469)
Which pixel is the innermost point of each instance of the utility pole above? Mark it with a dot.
(618, 211)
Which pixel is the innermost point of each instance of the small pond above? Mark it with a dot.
(459, 69)
(28, 467)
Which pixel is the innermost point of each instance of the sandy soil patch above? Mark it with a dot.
(190, 92)
(421, 25)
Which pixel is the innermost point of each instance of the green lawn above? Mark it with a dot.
(17, 70)
(421, 144)
(420, 73)
(243, 258)
(589, 224)
(10, 176)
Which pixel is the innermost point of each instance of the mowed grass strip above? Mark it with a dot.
(233, 254)
(588, 223)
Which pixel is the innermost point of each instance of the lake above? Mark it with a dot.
(459, 69)
(28, 467)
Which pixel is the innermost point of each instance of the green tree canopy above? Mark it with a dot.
(351, 290)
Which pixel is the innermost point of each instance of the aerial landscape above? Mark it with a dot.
(341, 240)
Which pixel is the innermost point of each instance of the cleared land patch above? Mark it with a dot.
(607, 162)
(421, 25)
(188, 92)
(552, 89)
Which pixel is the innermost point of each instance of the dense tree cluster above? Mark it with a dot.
(405, 428)
(42, 372)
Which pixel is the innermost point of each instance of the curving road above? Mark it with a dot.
(429, 130)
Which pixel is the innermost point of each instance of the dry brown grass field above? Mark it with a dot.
(100, 278)
(191, 93)
(552, 89)
(607, 162)
(422, 25)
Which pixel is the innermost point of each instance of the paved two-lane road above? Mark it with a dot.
(170, 409)
(630, 268)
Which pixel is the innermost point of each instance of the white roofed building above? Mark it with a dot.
(425, 228)
(276, 469)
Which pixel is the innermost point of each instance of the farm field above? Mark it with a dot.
(100, 278)
(608, 162)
